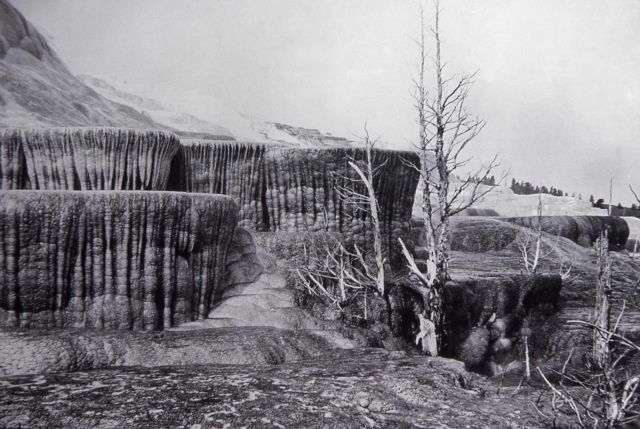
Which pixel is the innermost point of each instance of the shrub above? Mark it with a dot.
(475, 348)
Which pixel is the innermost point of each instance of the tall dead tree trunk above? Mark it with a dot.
(602, 316)
(445, 130)
(366, 176)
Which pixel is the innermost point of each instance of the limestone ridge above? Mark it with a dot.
(294, 189)
(86, 159)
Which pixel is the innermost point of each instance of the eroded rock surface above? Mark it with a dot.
(111, 259)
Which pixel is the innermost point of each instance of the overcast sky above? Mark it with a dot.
(558, 80)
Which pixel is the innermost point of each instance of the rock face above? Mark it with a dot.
(121, 260)
(287, 189)
(86, 159)
(583, 230)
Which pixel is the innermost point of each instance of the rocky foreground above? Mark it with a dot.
(364, 388)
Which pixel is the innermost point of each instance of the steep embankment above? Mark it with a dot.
(486, 249)
(37, 89)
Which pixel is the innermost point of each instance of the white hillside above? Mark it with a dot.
(502, 200)
(506, 203)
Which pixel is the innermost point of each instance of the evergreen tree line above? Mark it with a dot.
(489, 181)
(526, 188)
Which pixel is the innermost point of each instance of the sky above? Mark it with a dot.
(558, 80)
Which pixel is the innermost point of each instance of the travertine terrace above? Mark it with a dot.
(287, 189)
(129, 229)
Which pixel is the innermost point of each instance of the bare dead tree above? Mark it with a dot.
(337, 276)
(445, 131)
(610, 196)
(606, 398)
(634, 253)
(366, 175)
(634, 194)
(602, 315)
(531, 252)
(608, 395)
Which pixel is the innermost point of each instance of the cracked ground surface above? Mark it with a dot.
(358, 388)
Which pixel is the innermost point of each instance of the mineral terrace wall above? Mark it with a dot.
(78, 249)
(86, 159)
(111, 259)
(85, 243)
(294, 189)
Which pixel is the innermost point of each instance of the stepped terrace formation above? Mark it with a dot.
(81, 250)
(296, 189)
(85, 245)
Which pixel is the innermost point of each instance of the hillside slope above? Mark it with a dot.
(196, 112)
(189, 125)
(37, 89)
